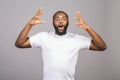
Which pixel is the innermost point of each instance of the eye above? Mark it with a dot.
(56, 19)
(64, 19)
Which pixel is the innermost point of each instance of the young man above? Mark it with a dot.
(60, 48)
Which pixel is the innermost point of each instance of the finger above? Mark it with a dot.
(78, 14)
(77, 24)
(39, 22)
(76, 18)
(39, 12)
(42, 21)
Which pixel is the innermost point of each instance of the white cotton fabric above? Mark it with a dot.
(59, 53)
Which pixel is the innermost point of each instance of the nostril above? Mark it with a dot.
(60, 22)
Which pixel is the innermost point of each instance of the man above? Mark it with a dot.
(60, 48)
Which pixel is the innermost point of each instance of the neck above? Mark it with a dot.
(60, 33)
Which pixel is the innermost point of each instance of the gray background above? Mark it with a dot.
(26, 64)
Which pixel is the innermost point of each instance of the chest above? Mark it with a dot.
(60, 45)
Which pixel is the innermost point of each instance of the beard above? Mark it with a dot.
(60, 32)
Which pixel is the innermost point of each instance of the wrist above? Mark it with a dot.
(29, 24)
(88, 28)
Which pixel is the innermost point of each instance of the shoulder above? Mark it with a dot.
(75, 35)
(41, 34)
(80, 37)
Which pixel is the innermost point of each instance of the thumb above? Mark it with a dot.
(40, 22)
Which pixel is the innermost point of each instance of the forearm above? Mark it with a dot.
(97, 40)
(23, 40)
(97, 43)
(23, 35)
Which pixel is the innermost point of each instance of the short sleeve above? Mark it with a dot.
(36, 40)
(84, 42)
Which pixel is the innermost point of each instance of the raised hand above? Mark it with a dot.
(80, 22)
(36, 19)
(23, 40)
(97, 43)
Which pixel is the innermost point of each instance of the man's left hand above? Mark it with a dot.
(81, 22)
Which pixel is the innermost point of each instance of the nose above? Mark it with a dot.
(60, 21)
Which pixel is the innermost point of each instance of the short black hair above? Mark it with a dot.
(60, 12)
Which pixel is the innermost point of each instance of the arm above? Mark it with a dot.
(97, 42)
(23, 39)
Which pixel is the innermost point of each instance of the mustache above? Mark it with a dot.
(60, 25)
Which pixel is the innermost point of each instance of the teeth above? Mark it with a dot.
(61, 27)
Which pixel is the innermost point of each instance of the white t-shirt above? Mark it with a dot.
(59, 53)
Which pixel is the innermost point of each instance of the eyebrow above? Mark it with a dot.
(62, 17)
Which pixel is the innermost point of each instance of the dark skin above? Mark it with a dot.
(60, 22)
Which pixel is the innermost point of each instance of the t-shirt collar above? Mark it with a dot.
(60, 36)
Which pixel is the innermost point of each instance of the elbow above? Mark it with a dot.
(104, 48)
(18, 45)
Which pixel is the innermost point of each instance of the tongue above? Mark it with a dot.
(61, 27)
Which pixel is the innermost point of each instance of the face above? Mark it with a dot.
(60, 22)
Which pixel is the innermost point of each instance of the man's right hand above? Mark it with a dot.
(23, 39)
(36, 19)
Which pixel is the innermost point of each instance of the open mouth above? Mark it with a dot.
(61, 27)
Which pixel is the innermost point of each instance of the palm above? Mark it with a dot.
(80, 23)
(36, 19)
